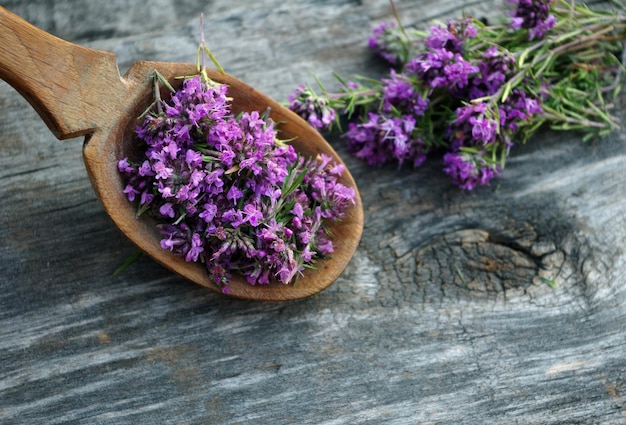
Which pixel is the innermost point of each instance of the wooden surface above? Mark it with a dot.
(440, 317)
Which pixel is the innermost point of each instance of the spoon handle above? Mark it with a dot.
(74, 89)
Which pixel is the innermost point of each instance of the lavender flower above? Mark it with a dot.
(468, 170)
(441, 68)
(473, 91)
(475, 124)
(493, 124)
(226, 194)
(533, 15)
(388, 41)
(314, 109)
(383, 138)
(398, 92)
(452, 37)
(495, 68)
(519, 108)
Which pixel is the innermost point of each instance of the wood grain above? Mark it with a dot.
(440, 317)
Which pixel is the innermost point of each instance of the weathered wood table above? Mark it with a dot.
(441, 317)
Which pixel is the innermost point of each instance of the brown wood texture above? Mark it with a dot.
(441, 316)
(74, 89)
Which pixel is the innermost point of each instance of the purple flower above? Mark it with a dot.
(193, 158)
(383, 138)
(450, 38)
(195, 248)
(226, 193)
(145, 170)
(480, 124)
(533, 15)
(311, 107)
(234, 194)
(213, 182)
(457, 72)
(167, 210)
(441, 68)
(177, 239)
(326, 247)
(123, 166)
(495, 68)
(322, 184)
(252, 215)
(389, 42)
(398, 92)
(468, 170)
(518, 108)
(146, 198)
(208, 213)
(162, 170)
(475, 124)
(130, 192)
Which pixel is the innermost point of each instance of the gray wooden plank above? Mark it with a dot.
(439, 318)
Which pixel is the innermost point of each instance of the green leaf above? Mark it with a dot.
(551, 283)
(130, 260)
(522, 57)
(164, 81)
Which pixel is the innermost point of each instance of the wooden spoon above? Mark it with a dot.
(79, 91)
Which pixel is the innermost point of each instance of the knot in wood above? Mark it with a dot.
(469, 261)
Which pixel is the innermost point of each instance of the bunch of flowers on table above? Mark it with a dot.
(473, 91)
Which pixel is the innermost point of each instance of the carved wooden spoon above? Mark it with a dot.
(79, 91)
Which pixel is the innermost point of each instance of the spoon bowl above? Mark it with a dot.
(79, 91)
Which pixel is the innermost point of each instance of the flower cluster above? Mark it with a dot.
(389, 41)
(467, 170)
(535, 16)
(314, 109)
(473, 91)
(226, 192)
